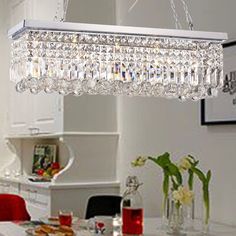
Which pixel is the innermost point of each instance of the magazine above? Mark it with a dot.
(44, 156)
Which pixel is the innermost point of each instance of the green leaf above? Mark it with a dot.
(199, 173)
(205, 188)
(174, 171)
(166, 183)
(162, 160)
(206, 199)
(165, 155)
(153, 159)
(190, 179)
(208, 176)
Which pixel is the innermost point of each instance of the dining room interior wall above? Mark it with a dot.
(154, 125)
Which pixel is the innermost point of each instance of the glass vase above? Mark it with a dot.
(176, 219)
(165, 213)
(205, 219)
(189, 217)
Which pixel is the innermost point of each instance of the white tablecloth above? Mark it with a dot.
(150, 229)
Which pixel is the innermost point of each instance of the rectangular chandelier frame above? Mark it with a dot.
(24, 25)
(75, 58)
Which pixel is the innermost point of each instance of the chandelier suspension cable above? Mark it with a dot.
(58, 16)
(133, 5)
(188, 16)
(175, 15)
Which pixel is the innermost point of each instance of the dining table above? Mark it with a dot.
(152, 227)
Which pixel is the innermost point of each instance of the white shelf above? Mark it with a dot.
(24, 180)
(50, 185)
(58, 135)
(85, 185)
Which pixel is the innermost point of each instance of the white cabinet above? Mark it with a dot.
(37, 201)
(36, 211)
(34, 114)
(19, 115)
(6, 187)
(46, 113)
(35, 195)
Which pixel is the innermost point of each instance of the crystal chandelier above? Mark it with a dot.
(74, 58)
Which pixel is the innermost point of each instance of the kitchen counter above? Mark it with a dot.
(51, 185)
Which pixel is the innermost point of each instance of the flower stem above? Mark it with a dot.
(206, 200)
(164, 207)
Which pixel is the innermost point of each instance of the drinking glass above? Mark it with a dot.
(65, 217)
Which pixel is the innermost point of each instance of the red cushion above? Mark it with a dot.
(13, 208)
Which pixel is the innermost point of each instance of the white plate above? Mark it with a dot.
(47, 221)
(31, 232)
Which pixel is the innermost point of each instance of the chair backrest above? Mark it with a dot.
(13, 208)
(108, 205)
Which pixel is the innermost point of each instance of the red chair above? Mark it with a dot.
(13, 208)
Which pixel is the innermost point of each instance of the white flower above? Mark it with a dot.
(184, 164)
(183, 195)
(140, 161)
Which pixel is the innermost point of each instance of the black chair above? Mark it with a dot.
(107, 205)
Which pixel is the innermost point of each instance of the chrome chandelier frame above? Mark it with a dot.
(74, 58)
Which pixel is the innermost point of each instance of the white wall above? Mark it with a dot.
(92, 11)
(212, 15)
(154, 125)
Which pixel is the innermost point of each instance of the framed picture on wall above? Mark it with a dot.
(222, 109)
